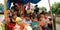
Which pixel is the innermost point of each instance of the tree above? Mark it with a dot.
(43, 9)
(1, 7)
(56, 8)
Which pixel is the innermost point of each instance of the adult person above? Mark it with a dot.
(54, 20)
(36, 10)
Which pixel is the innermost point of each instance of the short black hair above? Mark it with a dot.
(27, 15)
(45, 13)
(42, 12)
(36, 5)
(13, 15)
(35, 17)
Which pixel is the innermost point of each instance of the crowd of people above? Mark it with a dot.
(31, 21)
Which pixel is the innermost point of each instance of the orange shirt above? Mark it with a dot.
(41, 23)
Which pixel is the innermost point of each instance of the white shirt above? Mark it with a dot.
(29, 28)
(17, 27)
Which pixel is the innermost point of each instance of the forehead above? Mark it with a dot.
(46, 14)
(14, 15)
(35, 18)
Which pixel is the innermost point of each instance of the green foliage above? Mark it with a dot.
(56, 8)
(1, 5)
(43, 9)
(58, 20)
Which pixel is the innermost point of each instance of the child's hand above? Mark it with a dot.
(38, 27)
(33, 27)
(24, 29)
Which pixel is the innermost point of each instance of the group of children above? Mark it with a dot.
(30, 21)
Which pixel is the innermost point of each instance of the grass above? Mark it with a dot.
(58, 20)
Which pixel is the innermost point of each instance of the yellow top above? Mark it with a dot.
(29, 11)
(3, 26)
(18, 19)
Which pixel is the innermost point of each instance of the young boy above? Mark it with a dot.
(46, 21)
(35, 24)
(27, 20)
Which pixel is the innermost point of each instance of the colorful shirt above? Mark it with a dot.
(45, 21)
(28, 27)
(41, 23)
(17, 27)
(35, 25)
(27, 22)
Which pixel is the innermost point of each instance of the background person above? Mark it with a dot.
(36, 10)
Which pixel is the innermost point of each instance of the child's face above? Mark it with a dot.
(27, 18)
(46, 15)
(35, 14)
(14, 16)
(35, 19)
(15, 12)
(22, 16)
(40, 19)
(41, 15)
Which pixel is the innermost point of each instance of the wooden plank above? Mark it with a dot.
(5, 11)
(5, 15)
(53, 24)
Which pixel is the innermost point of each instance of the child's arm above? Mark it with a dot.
(32, 26)
(24, 29)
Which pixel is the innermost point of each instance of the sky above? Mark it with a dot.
(42, 3)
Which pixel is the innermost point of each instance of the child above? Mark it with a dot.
(19, 25)
(14, 16)
(5, 23)
(35, 24)
(41, 23)
(46, 21)
(27, 20)
(12, 22)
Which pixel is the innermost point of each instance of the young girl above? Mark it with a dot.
(35, 24)
(19, 25)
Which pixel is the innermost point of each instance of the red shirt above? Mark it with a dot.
(11, 26)
(21, 27)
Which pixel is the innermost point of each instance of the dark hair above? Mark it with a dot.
(42, 12)
(13, 15)
(10, 10)
(27, 15)
(45, 13)
(35, 17)
(36, 5)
